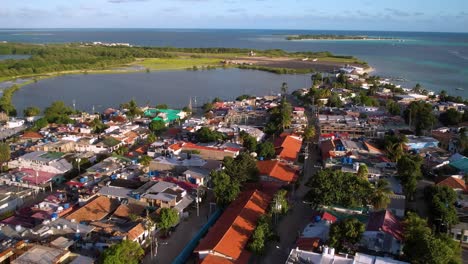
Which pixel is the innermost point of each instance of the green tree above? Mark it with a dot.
(187, 109)
(419, 115)
(121, 151)
(334, 187)
(58, 113)
(217, 100)
(168, 217)
(125, 252)
(344, 235)
(98, 126)
(207, 107)
(309, 133)
(363, 171)
(380, 197)
(157, 126)
(162, 106)
(5, 154)
(286, 110)
(151, 138)
(421, 246)
(225, 188)
(450, 117)
(205, 135)
(393, 108)
(242, 168)
(31, 111)
(441, 200)
(395, 146)
(317, 79)
(244, 97)
(132, 108)
(248, 142)
(280, 203)
(266, 150)
(145, 160)
(40, 123)
(409, 172)
(335, 101)
(443, 96)
(261, 235)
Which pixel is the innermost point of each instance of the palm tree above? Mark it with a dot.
(396, 149)
(380, 196)
(284, 88)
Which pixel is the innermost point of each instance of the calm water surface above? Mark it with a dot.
(169, 87)
(436, 60)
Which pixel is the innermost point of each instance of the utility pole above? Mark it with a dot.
(198, 200)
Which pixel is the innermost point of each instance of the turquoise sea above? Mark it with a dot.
(436, 60)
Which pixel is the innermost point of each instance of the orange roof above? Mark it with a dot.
(31, 135)
(453, 182)
(213, 259)
(372, 148)
(287, 147)
(189, 145)
(175, 147)
(124, 210)
(232, 231)
(278, 170)
(95, 210)
(135, 232)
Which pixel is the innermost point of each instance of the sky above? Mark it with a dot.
(393, 15)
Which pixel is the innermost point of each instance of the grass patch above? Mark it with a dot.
(178, 63)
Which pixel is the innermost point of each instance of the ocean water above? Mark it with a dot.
(435, 60)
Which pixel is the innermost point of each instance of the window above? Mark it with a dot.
(458, 237)
(465, 238)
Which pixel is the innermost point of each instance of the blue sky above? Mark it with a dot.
(399, 15)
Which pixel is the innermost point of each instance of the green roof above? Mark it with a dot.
(110, 141)
(171, 114)
(461, 164)
(342, 216)
(52, 155)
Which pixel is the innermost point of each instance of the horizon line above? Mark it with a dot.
(230, 28)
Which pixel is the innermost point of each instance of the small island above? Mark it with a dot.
(333, 37)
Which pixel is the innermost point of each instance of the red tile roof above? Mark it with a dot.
(308, 243)
(31, 135)
(386, 222)
(135, 232)
(325, 216)
(453, 182)
(95, 210)
(125, 210)
(278, 170)
(287, 147)
(230, 234)
(213, 259)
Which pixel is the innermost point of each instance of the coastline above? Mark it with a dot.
(396, 40)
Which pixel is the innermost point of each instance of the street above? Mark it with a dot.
(291, 225)
(187, 229)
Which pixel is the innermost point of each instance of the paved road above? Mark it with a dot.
(291, 225)
(181, 236)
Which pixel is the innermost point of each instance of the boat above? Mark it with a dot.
(459, 89)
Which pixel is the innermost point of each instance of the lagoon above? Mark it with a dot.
(164, 87)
